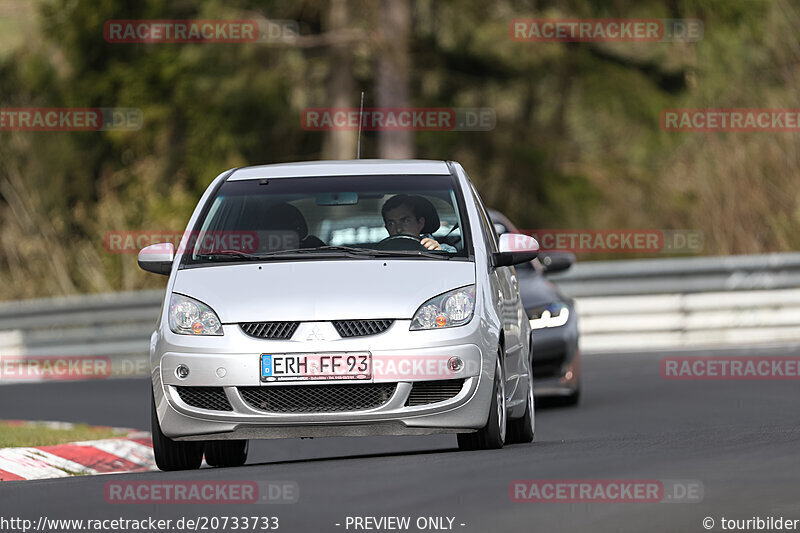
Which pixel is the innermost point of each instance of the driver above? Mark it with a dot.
(405, 214)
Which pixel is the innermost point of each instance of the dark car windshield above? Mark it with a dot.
(331, 216)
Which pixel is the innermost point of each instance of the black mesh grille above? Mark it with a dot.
(318, 398)
(212, 398)
(270, 330)
(361, 328)
(425, 392)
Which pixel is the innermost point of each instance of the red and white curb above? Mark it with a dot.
(130, 453)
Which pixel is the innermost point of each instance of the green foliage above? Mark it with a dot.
(577, 141)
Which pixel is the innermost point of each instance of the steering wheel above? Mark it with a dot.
(400, 242)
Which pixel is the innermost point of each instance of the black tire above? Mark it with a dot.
(492, 435)
(520, 431)
(226, 452)
(170, 454)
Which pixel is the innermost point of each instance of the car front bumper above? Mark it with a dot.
(232, 362)
(566, 384)
(556, 360)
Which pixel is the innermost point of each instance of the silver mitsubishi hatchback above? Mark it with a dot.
(338, 298)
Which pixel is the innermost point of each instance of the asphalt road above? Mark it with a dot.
(740, 439)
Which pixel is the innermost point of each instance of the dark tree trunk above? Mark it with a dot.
(341, 84)
(393, 73)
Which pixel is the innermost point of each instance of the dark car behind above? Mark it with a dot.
(554, 322)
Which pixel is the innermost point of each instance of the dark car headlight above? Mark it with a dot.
(552, 315)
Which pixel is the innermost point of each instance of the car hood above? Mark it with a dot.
(321, 290)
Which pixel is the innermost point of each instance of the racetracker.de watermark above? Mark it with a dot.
(605, 30)
(132, 241)
(734, 368)
(35, 368)
(49, 367)
(200, 31)
(201, 492)
(423, 367)
(398, 118)
(717, 120)
(637, 241)
(606, 491)
(70, 118)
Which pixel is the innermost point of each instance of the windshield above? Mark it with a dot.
(417, 217)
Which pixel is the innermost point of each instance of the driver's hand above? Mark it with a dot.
(430, 244)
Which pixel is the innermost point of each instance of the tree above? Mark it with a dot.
(394, 21)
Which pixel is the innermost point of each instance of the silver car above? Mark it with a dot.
(338, 298)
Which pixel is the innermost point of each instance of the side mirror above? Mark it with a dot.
(515, 248)
(157, 258)
(556, 261)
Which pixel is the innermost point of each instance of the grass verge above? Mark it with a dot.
(14, 434)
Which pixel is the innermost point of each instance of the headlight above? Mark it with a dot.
(451, 309)
(187, 316)
(550, 316)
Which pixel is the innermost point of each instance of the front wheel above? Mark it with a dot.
(520, 431)
(172, 454)
(492, 436)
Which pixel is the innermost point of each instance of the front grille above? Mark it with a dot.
(318, 398)
(270, 330)
(361, 328)
(211, 398)
(425, 392)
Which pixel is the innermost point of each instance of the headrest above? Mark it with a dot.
(286, 217)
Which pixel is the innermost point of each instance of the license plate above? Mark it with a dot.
(306, 367)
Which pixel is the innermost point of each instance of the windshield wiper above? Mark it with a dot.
(322, 252)
(227, 254)
(352, 251)
(414, 253)
(384, 253)
(305, 251)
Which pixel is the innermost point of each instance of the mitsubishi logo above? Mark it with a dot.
(315, 335)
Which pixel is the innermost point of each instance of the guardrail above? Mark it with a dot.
(622, 305)
(682, 275)
(686, 302)
(114, 325)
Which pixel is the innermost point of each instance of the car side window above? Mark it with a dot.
(488, 227)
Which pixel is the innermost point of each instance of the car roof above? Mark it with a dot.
(354, 167)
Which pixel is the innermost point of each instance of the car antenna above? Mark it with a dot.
(360, 115)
